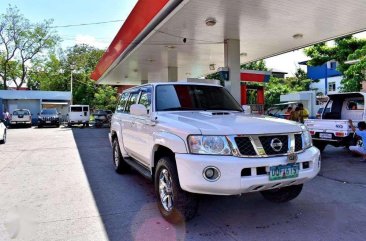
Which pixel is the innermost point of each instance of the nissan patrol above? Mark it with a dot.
(192, 138)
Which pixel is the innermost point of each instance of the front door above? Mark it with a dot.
(128, 126)
(144, 127)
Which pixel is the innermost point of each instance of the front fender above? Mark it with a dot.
(171, 141)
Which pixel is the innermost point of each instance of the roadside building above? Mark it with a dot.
(326, 76)
(34, 101)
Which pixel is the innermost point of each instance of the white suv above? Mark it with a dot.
(195, 138)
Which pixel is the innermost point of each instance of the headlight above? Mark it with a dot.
(306, 136)
(213, 145)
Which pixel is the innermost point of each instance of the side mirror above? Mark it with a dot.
(138, 109)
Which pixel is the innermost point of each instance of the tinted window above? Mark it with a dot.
(85, 108)
(122, 103)
(131, 100)
(145, 98)
(49, 112)
(76, 109)
(194, 97)
(21, 112)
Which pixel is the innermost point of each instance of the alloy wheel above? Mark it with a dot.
(166, 190)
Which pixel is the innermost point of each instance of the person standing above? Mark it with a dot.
(288, 113)
(303, 113)
(7, 118)
(295, 114)
(361, 132)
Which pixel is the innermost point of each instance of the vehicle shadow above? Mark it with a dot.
(127, 204)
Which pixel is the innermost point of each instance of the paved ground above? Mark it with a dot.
(59, 184)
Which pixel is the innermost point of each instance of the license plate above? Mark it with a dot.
(284, 171)
(48, 122)
(325, 135)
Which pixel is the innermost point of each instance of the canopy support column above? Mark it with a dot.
(232, 62)
(172, 74)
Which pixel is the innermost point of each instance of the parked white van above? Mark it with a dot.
(78, 114)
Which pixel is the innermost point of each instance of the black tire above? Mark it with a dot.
(40, 126)
(58, 125)
(120, 166)
(320, 145)
(184, 205)
(3, 141)
(281, 195)
(69, 125)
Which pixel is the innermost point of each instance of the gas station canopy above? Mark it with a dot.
(187, 38)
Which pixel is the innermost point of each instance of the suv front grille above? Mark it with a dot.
(248, 147)
(245, 146)
(298, 142)
(267, 140)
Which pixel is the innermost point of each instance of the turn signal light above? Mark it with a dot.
(339, 134)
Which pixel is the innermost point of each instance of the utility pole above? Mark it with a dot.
(71, 80)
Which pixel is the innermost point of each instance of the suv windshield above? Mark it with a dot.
(49, 112)
(194, 97)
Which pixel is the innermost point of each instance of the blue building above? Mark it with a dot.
(34, 100)
(328, 76)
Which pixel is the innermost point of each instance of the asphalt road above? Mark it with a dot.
(59, 184)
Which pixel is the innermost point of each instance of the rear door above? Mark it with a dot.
(76, 113)
(85, 113)
(118, 116)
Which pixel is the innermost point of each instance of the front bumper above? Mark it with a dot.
(190, 171)
(48, 122)
(20, 122)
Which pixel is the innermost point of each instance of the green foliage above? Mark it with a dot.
(105, 98)
(278, 86)
(21, 43)
(356, 73)
(55, 71)
(345, 48)
(256, 65)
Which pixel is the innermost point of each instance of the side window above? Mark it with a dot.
(131, 100)
(122, 103)
(85, 108)
(145, 98)
(357, 104)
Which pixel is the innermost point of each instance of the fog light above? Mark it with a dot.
(211, 174)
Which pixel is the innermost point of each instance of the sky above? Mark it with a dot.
(68, 12)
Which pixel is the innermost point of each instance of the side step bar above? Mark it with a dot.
(138, 167)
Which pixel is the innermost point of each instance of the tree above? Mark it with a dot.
(20, 43)
(105, 98)
(343, 50)
(356, 73)
(256, 65)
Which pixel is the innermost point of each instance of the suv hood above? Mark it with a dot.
(231, 123)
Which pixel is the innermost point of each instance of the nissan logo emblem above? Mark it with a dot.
(276, 144)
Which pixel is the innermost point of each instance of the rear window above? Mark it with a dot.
(356, 104)
(76, 109)
(21, 112)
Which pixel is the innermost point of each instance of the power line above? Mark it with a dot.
(86, 24)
